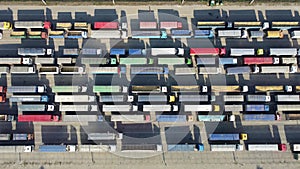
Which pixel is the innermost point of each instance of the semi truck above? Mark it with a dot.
(171, 118)
(109, 89)
(206, 61)
(36, 107)
(37, 34)
(57, 148)
(4, 69)
(275, 34)
(167, 51)
(267, 147)
(5, 25)
(15, 60)
(242, 51)
(238, 70)
(89, 108)
(27, 89)
(227, 61)
(257, 107)
(287, 98)
(130, 118)
(72, 70)
(69, 89)
(211, 117)
(207, 51)
(44, 60)
(283, 51)
(193, 98)
(149, 34)
(117, 108)
(181, 147)
(259, 117)
(228, 137)
(292, 116)
(261, 60)
(112, 98)
(148, 25)
(17, 34)
(233, 98)
(258, 98)
(74, 98)
(81, 25)
(172, 61)
(63, 25)
(91, 51)
(35, 52)
(289, 60)
(38, 118)
(288, 107)
(70, 51)
(279, 88)
(256, 34)
(159, 108)
(29, 98)
(133, 61)
(211, 24)
(284, 25)
(16, 149)
(226, 147)
(201, 108)
(295, 34)
(175, 33)
(185, 71)
(249, 25)
(32, 24)
(22, 70)
(170, 25)
(107, 70)
(106, 25)
(148, 89)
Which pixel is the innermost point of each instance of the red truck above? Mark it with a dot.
(260, 60)
(38, 118)
(207, 51)
(170, 25)
(106, 25)
(148, 25)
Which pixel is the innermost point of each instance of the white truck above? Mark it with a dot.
(287, 98)
(159, 108)
(35, 52)
(242, 51)
(15, 60)
(117, 108)
(167, 51)
(289, 60)
(276, 69)
(233, 98)
(226, 147)
(202, 108)
(233, 108)
(283, 51)
(22, 70)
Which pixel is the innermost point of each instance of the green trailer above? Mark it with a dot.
(171, 61)
(133, 61)
(107, 89)
(69, 89)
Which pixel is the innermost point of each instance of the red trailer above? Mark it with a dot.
(106, 25)
(170, 25)
(258, 60)
(207, 51)
(148, 25)
(38, 118)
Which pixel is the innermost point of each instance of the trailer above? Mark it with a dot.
(72, 70)
(95, 148)
(249, 25)
(18, 34)
(276, 69)
(49, 70)
(201, 108)
(38, 118)
(233, 98)
(106, 25)
(184, 89)
(171, 118)
(4, 70)
(266, 147)
(56, 34)
(227, 137)
(37, 34)
(226, 147)
(207, 51)
(117, 108)
(229, 88)
(22, 137)
(141, 148)
(81, 118)
(233, 33)
(295, 147)
(159, 108)
(71, 52)
(257, 34)
(81, 25)
(171, 61)
(167, 51)
(285, 25)
(91, 51)
(283, 51)
(74, 98)
(258, 98)
(112, 98)
(16, 149)
(66, 60)
(108, 89)
(154, 98)
(206, 61)
(211, 117)
(273, 89)
(288, 107)
(27, 89)
(128, 118)
(185, 71)
(233, 108)
(260, 60)
(149, 34)
(29, 98)
(193, 98)
(78, 108)
(238, 70)
(257, 107)
(106, 34)
(181, 33)
(170, 25)
(15, 60)
(289, 60)
(259, 117)
(44, 60)
(5, 137)
(148, 25)
(242, 51)
(35, 52)
(107, 70)
(204, 34)
(35, 107)
(227, 61)
(209, 70)
(287, 98)
(181, 147)
(63, 25)
(148, 89)
(275, 34)
(133, 61)
(22, 70)
(211, 24)
(136, 52)
(73, 34)
(32, 25)
(149, 70)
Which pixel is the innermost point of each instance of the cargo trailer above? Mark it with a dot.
(260, 60)
(16, 149)
(283, 51)
(75, 34)
(273, 88)
(106, 25)
(149, 34)
(295, 34)
(22, 70)
(170, 25)
(238, 70)
(167, 51)
(193, 98)
(159, 108)
(75, 107)
(171, 118)
(184, 89)
(107, 70)
(35, 52)
(207, 51)
(149, 89)
(233, 98)
(288, 107)
(180, 33)
(242, 51)
(35, 107)
(148, 25)
(204, 34)
(74, 98)
(128, 118)
(32, 25)
(211, 24)
(106, 34)
(234, 33)
(27, 89)
(81, 25)
(285, 25)
(66, 60)
(15, 60)
(72, 70)
(259, 117)
(257, 34)
(202, 108)
(29, 98)
(211, 117)
(57, 148)
(80, 118)
(287, 98)
(276, 69)
(263, 147)
(117, 108)
(117, 51)
(91, 51)
(227, 137)
(291, 116)
(48, 70)
(249, 25)
(275, 34)
(17, 34)
(181, 147)
(171, 61)
(258, 98)
(206, 61)
(133, 61)
(56, 34)
(112, 98)
(38, 118)
(226, 147)
(289, 60)
(227, 61)
(141, 148)
(149, 70)
(63, 25)
(233, 108)
(44, 60)
(229, 88)
(70, 51)
(257, 107)
(108, 89)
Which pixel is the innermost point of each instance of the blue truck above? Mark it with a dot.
(149, 34)
(204, 34)
(117, 51)
(259, 117)
(57, 148)
(227, 137)
(171, 118)
(181, 33)
(257, 107)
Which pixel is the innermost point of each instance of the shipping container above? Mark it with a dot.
(204, 34)
(283, 51)
(38, 118)
(108, 89)
(74, 98)
(258, 98)
(149, 34)
(148, 25)
(29, 98)
(238, 70)
(257, 107)
(233, 98)
(207, 51)
(287, 98)
(106, 25)
(259, 117)
(193, 98)
(171, 118)
(242, 51)
(227, 61)
(149, 70)
(211, 24)
(185, 71)
(170, 25)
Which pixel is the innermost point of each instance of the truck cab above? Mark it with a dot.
(244, 136)
(260, 52)
(72, 148)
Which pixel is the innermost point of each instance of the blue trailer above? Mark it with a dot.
(149, 34)
(227, 61)
(238, 70)
(257, 107)
(171, 118)
(181, 33)
(136, 52)
(149, 70)
(224, 137)
(117, 51)
(211, 117)
(181, 147)
(259, 117)
(204, 34)
(52, 148)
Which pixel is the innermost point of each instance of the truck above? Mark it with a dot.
(5, 137)
(44, 60)
(102, 136)
(70, 51)
(167, 51)
(276, 69)
(185, 71)
(32, 25)
(207, 51)
(136, 52)
(175, 33)
(242, 51)
(289, 60)
(133, 61)
(201, 108)
(148, 89)
(149, 70)
(228, 137)
(171, 118)
(72, 70)
(109, 89)
(66, 60)
(258, 98)
(193, 98)
(5, 25)
(57, 148)
(74, 98)
(233, 108)
(187, 89)
(227, 61)
(233, 98)
(256, 34)
(4, 117)
(170, 25)
(106, 34)
(181, 147)
(75, 34)
(206, 61)
(257, 107)
(22, 137)
(288, 107)
(229, 88)
(278, 88)
(56, 34)
(238, 70)
(261, 60)
(285, 25)
(149, 34)
(267, 147)
(36, 107)
(35, 52)
(69, 89)
(112, 98)
(91, 51)
(22, 70)
(129, 118)
(141, 148)
(34, 34)
(86, 107)
(18, 34)
(204, 33)
(287, 98)
(117, 108)
(4, 69)
(211, 117)
(117, 51)
(27, 89)
(155, 98)
(16, 149)
(226, 147)
(63, 25)
(295, 34)
(49, 70)
(211, 24)
(107, 70)
(15, 60)
(38, 118)
(148, 25)
(172, 61)
(259, 117)
(233, 33)
(81, 25)
(275, 34)
(29, 98)
(159, 108)
(106, 25)
(283, 51)
(81, 118)
(249, 25)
